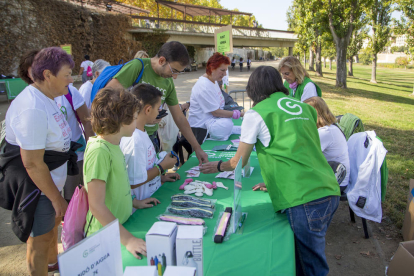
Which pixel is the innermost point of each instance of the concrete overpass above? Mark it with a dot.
(202, 34)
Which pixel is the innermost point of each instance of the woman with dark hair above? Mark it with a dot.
(85, 69)
(35, 127)
(207, 103)
(233, 63)
(241, 64)
(297, 176)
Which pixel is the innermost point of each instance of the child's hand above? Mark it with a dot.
(260, 187)
(136, 246)
(145, 203)
(168, 162)
(170, 177)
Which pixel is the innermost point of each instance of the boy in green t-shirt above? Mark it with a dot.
(113, 116)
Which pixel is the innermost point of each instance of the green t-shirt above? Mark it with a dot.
(105, 161)
(129, 73)
(293, 166)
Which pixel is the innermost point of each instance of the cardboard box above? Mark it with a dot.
(140, 270)
(190, 247)
(408, 225)
(403, 261)
(179, 271)
(160, 241)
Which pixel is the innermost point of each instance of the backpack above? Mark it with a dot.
(107, 74)
(89, 71)
(69, 98)
(75, 218)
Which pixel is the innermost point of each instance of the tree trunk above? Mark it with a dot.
(319, 60)
(311, 62)
(341, 47)
(304, 60)
(330, 63)
(324, 62)
(374, 69)
(350, 70)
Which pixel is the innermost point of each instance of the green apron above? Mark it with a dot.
(293, 166)
(297, 94)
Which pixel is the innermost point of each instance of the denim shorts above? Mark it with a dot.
(44, 217)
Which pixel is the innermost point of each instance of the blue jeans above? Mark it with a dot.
(309, 223)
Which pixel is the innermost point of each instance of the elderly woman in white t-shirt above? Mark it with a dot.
(85, 90)
(207, 103)
(333, 143)
(35, 124)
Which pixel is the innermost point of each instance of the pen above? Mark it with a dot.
(243, 217)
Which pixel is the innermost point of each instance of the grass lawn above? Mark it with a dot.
(388, 108)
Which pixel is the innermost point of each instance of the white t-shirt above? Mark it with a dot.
(70, 117)
(335, 147)
(140, 156)
(85, 90)
(309, 91)
(205, 98)
(226, 78)
(253, 127)
(85, 65)
(34, 122)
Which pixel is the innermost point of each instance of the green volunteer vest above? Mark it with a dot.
(299, 90)
(293, 166)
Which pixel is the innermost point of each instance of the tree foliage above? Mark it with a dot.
(165, 12)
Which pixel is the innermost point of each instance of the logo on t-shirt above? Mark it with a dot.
(286, 105)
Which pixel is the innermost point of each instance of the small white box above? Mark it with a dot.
(179, 271)
(190, 247)
(160, 241)
(140, 270)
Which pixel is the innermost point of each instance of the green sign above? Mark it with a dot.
(67, 48)
(223, 42)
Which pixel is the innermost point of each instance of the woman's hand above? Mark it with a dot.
(136, 246)
(170, 177)
(145, 203)
(168, 162)
(260, 187)
(60, 205)
(210, 167)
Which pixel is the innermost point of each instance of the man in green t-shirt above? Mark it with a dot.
(160, 71)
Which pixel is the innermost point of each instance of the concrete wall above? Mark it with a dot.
(203, 54)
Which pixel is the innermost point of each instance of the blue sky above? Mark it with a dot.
(270, 13)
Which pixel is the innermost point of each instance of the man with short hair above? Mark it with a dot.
(159, 71)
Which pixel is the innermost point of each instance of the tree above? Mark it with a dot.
(379, 14)
(329, 51)
(355, 45)
(402, 61)
(343, 15)
(406, 25)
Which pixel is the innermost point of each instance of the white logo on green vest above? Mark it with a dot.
(292, 108)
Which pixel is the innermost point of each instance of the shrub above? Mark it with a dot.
(403, 61)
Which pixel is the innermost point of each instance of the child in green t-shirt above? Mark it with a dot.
(113, 115)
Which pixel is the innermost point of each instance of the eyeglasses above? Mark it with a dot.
(174, 73)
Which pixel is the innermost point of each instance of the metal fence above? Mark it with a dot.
(235, 92)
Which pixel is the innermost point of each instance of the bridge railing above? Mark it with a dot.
(205, 27)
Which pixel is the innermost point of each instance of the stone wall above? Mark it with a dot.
(35, 24)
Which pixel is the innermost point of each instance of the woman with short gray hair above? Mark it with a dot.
(98, 66)
(297, 80)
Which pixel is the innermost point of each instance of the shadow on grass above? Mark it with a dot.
(375, 95)
(381, 84)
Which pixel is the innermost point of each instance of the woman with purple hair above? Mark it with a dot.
(37, 130)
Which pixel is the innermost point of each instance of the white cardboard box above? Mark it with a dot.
(140, 270)
(180, 271)
(190, 247)
(160, 241)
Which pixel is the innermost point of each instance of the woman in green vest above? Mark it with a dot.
(297, 176)
(297, 80)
